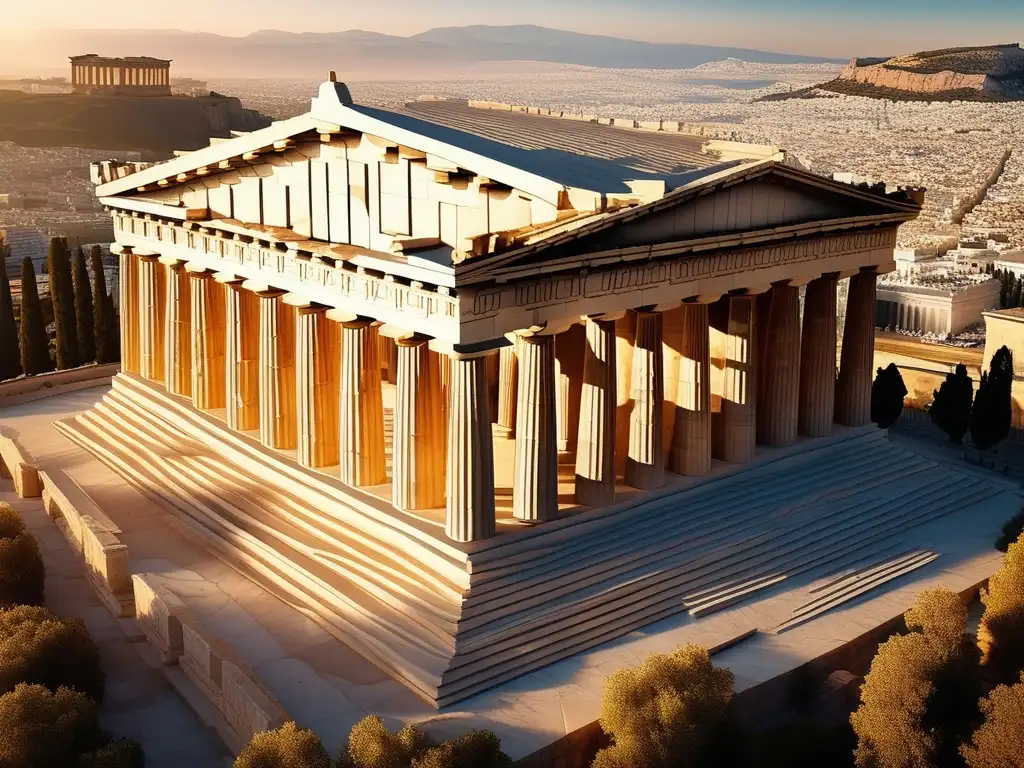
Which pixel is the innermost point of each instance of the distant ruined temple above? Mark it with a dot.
(131, 76)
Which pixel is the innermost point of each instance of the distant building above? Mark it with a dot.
(937, 304)
(132, 76)
(23, 242)
(1011, 261)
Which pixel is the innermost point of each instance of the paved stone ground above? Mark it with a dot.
(328, 687)
(140, 702)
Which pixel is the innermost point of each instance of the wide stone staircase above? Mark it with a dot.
(452, 621)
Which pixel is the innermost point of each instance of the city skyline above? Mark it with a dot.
(791, 26)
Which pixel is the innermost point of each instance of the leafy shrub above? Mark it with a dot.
(1001, 632)
(39, 648)
(999, 742)
(372, 745)
(287, 747)
(122, 753)
(43, 729)
(22, 574)
(664, 713)
(1012, 530)
(476, 749)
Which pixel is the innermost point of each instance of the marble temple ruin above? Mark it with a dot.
(131, 76)
(426, 368)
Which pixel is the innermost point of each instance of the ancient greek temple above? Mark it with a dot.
(134, 75)
(427, 384)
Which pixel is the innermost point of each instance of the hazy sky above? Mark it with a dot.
(825, 27)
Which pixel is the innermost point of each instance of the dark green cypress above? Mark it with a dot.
(114, 324)
(887, 393)
(62, 294)
(951, 407)
(103, 331)
(35, 346)
(84, 315)
(993, 409)
(10, 356)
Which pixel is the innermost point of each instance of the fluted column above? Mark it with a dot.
(691, 439)
(470, 475)
(853, 387)
(779, 406)
(318, 369)
(818, 358)
(625, 336)
(278, 424)
(208, 341)
(595, 452)
(569, 348)
(129, 301)
(418, 471)
(508, 382)
(178, 344)
(242, 374)
(362, 406)
(152, 323)
(645, 464)
(734, 425)
(535, 493)
(388, 358)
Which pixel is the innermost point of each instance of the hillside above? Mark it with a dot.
(160, 124)
(357, 54)
(986, 73)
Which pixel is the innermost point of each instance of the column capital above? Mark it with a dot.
(416, 340)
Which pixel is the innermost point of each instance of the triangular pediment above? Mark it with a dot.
(764, 198)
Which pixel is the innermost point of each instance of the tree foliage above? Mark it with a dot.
(951, 407)
(887, 393)
(104, 320)
(35, 346)
(476, 749)
(1001, 632)
(44, 729)
(999, 742)
(62, 294)
(10, 356)
(992, 413)
(372, 745)
(39, 648)
(22, 573)
(916, 702)
(287, 747)
(84, 312)
(1011, 531)
(664, 713)
(120, 753)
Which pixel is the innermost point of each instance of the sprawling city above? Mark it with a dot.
(619, 392)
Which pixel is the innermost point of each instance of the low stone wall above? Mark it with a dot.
(29, 388)
(18, 464)
(94, 537)
(212, 665)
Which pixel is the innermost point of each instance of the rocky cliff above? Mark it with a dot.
(157, 125)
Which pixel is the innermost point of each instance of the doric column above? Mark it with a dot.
(278, 425)
(418, 472)
(625, 336)
(645, 463)
(362, 406)
(779, 405)
(569, 349)
(208, 341)
(853, 387)
(129, 308)
(388, 358)
(469, 514)
(734, 425)
(508, 381)
(535, 493)
(152, 301)
(242, 374)
(318, 379)
(595, 452)
(818, 358)
(178, 344)
(691, 438)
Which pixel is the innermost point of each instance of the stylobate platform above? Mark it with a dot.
(450, 620)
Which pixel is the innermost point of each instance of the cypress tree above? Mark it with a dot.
(103, 330)
(10, 357)
(992, 412)
(887, 393)
(35, 346)
(1018, 289)
(62, 294)
(951, 408)
(115, 326)
(84, 315)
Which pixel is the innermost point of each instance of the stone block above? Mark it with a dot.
(202, 659)
(159, 613)
(108, 569)
(647, 125)
(248, 708)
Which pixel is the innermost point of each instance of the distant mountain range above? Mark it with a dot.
(273, 53)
